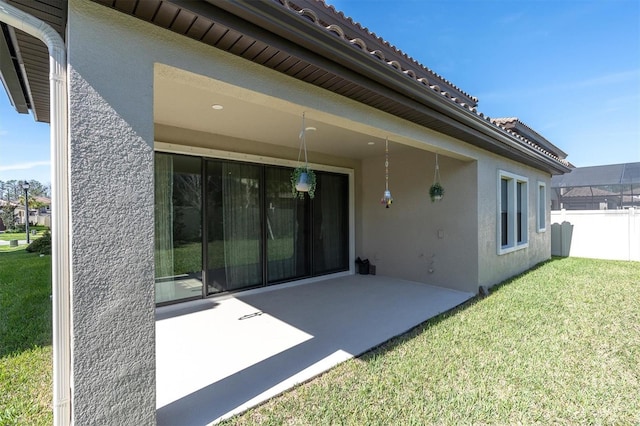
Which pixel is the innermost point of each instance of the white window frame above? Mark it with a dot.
(512, 208)
(541, 211)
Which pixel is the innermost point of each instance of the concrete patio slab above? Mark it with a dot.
(218, 357)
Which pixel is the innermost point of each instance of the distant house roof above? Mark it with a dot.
(613, 174)
(307, 40)
(587, 191)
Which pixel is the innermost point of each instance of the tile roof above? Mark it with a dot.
(515, 127)
(360, 37)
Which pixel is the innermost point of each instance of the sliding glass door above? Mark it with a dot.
(178, 232)
(240, 225)
(234, 226)
(331, 224)
(288, 223)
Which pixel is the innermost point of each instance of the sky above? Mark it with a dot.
(569, 69)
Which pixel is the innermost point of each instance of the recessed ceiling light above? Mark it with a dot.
(371, 143)
(217, 107)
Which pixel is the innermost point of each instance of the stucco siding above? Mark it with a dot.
(417, 239)
(114, 62)
(495, 268)
(111, 139)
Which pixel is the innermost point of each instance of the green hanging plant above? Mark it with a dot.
(436, 192)
(303, 180)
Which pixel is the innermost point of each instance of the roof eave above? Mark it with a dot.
(10, 78)
(479, 130)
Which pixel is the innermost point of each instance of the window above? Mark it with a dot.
(513, 230)
(223, 225)
(542, 207)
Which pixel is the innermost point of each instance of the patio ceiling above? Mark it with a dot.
(185, 101)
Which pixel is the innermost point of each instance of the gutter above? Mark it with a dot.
(477, 130)
(60, 223)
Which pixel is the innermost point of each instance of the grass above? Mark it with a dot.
(8, 236)
(25, 338)
(559, 344)
(188, 256)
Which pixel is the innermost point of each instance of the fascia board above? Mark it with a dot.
(10, 79)
(354, 64)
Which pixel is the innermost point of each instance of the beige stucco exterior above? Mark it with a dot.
(127, 81)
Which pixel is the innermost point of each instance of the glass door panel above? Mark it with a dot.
(287, 228)
(331, 223)
(178, 232)
(233, 222)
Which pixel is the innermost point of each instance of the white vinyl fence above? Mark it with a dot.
(597, 234)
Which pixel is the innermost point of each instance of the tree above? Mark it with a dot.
(12, 191)
(37, 189)
(8, 217)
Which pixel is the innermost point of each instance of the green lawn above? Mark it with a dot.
(25, 338)
(559, 344)
(8, 236)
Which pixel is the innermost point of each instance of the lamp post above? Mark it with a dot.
(25, 186)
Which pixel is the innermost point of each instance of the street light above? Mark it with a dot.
(25, 185)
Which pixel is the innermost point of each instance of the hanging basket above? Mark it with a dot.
(436, 192)
(386, 199)
(303, 181)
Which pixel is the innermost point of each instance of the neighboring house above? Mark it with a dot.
(613, 186)
(40, 215)
(184, 122)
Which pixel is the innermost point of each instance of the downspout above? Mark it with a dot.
(60, 230)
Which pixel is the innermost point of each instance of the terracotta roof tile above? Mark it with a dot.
(428, 80)
(421, 74)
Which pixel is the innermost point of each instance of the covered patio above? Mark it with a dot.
(218, 357)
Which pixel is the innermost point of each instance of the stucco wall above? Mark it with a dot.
(417, 239)
(111, 137)
(113, 58)
(494, 268)
(111, 141)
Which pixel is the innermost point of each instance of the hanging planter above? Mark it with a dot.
(303, 179)
(387, 199)
(436, 192)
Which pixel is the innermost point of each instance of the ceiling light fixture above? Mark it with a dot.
(217, 107)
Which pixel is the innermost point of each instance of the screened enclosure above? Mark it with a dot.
(614, 186)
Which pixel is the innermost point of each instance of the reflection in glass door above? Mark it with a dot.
(287, 236)
(178, 234)
(255, 232)
(233, 221)
(331, 224)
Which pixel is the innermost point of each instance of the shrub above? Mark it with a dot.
(42, 245)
